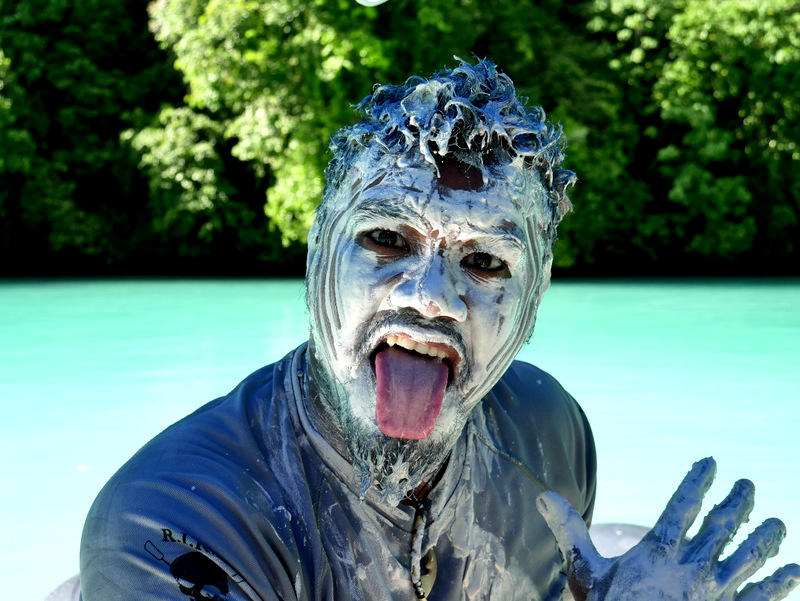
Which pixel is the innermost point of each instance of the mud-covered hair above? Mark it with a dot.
(471, 113)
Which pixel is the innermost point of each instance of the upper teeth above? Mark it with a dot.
(412, 345)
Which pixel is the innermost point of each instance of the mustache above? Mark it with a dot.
(413, 320)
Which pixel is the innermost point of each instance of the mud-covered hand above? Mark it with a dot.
(666, 565)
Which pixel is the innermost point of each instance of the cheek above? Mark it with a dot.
(507, 318)
(494, 318)
(363, 282)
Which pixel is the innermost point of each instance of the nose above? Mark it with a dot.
(431, 291)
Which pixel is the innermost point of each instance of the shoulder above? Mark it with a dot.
(215, 429)
(528, 394)
(193, 490)
(533, 422)
(223, 436)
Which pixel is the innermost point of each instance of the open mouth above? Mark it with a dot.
(445, 354)
(410, 380)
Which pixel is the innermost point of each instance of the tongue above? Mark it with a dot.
(410, 391)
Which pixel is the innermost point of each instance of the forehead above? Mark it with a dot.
(410, 189)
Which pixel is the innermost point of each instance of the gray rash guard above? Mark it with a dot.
(243, 499)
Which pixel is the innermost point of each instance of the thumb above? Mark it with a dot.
(584, 563)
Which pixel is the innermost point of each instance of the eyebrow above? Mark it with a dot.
(385, 208)
(505, 232)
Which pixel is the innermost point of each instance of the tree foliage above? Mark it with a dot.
(711, 90)
(681, 115)
(734, 169)
(74, 189)
(74, 73)
(280, 76)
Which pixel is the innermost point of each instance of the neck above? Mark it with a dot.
(413, 497)
(397, 468)
(322, 417)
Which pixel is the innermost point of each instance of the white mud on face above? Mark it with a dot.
(385, 178)
(361, 293)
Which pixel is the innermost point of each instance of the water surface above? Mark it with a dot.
(668, 372)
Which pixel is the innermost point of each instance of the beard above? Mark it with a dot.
(395, 467)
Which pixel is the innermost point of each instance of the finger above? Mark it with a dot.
(583, 561)
(721, 523)
(753, 553)
(772, 588)
(683, 507)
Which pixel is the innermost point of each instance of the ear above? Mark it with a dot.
(313, 238)
(546, 271)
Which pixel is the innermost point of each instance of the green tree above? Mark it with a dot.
(196, 208)
(277, 77)
(711, 91)
(731, 90)
(682, 119)
(74, 74)
(16, 145)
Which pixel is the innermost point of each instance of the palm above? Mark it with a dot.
(667, 566)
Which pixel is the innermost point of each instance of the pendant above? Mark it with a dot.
(428, 572)
(423, 569)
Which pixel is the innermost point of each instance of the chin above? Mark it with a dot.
(395, 466)
(389, 465)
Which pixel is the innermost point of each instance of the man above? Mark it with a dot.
(400, 453)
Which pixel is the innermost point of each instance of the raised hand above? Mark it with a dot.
(665, 565)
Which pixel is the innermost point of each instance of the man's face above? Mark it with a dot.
(422, 290)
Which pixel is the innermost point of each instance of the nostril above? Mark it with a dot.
(432, 296)
(433, 310)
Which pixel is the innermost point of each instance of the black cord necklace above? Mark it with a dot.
(423, 569)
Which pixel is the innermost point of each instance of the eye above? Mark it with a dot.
(385, 243)
(185, 584)
(211, 592)
(387, 238)
(486, 264)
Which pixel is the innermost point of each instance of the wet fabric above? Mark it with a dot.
(243, 499)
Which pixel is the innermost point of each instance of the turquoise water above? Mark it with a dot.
(668, 372)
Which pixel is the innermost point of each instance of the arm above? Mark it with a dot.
(666, 565)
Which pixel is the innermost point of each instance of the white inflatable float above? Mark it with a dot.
(612, 540)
